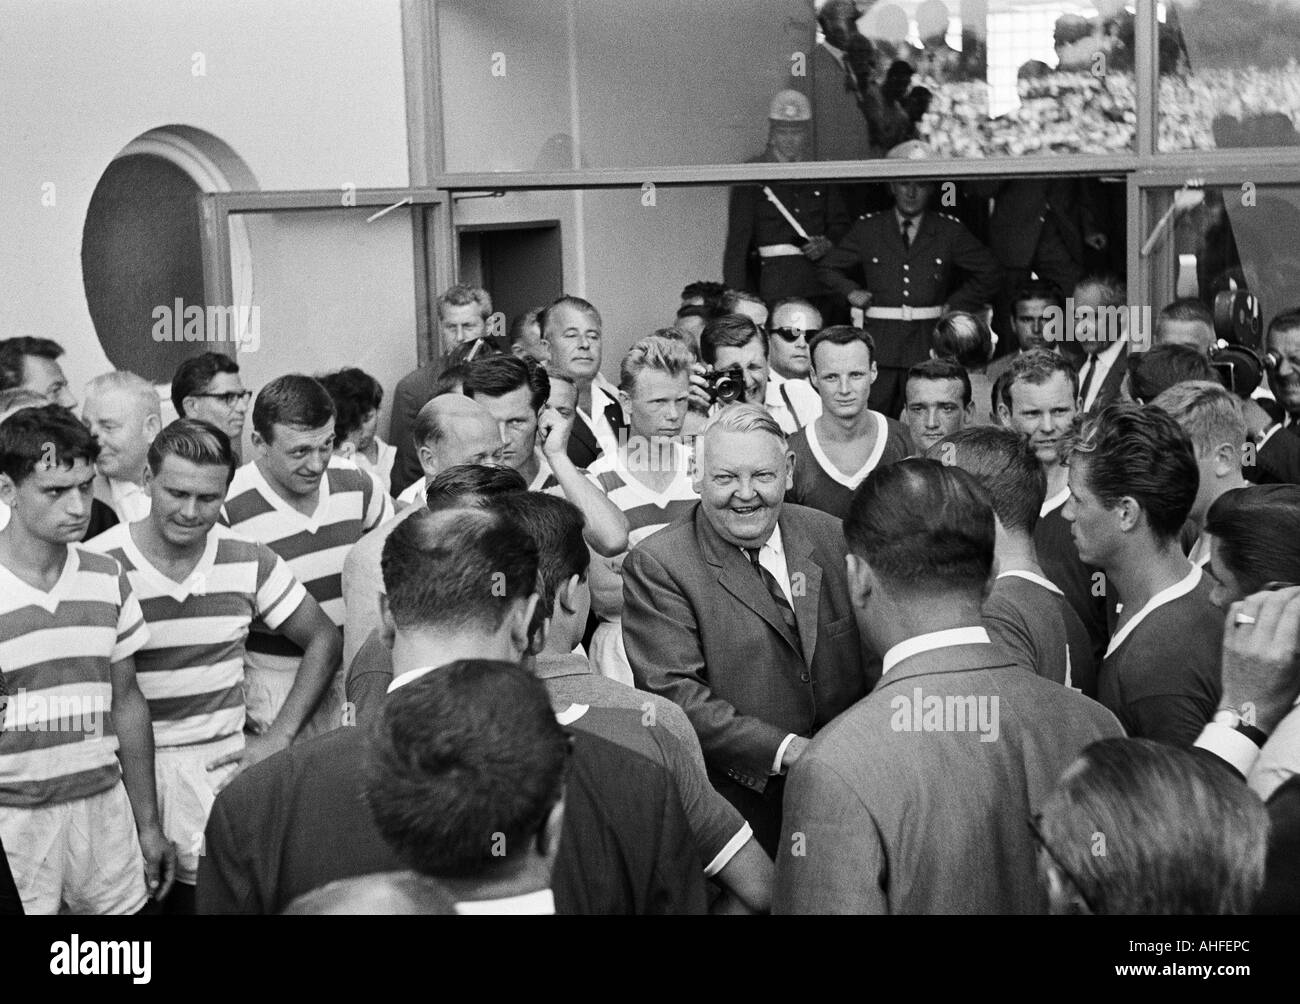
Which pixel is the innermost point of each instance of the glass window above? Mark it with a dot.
(1217, 239)
(546, 85)
(1229, 76)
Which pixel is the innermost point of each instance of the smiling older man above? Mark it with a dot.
(740, 613)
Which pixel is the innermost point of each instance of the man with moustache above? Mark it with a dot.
(739, 613)
(200, 587)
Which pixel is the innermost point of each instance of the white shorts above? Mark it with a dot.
(267, 682)
(81, 856)
(608, 655)
(186, 791)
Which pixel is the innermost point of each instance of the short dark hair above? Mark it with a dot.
(457, 568)
(27, 435)
(197, 372)
(293, 399)
(1038, 366)
(1006, 465)
(451, 380)
(841, 334)
(556, 526)
(1257, 530)
(733, 298)
(710, 292)
(964, 338)
(733, 331)
(1287, 320)
(355, 394)
(196, 441)
(1037, 289)
(466, 762)
(923, 527)
(14, 350)
(698, 310)
(520, 325)
(576, 302)
(1142, 453)
(1160, 857)
(1187, 309)
(1158, 369)
(940, 369)
(498, 376)
(472, 486)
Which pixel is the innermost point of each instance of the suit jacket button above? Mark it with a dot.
(805, 677)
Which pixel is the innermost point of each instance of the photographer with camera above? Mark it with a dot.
(1277, 459)
(734, 351)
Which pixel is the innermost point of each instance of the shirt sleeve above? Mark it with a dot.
(279, 594)
(132, 632)
(379, 507)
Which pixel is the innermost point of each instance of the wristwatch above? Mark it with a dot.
(1231, 718)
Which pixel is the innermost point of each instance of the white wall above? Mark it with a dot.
(309, 93)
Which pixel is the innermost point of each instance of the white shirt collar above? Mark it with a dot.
(1180, 588)
(1034, 577)
(533, 904)
(1055, 502)
(930, 642)
(773, 543)
(410, 676)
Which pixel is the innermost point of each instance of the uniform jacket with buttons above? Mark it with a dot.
(753, 222)
(701, 630)
(944, 265)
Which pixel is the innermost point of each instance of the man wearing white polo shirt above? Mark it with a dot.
(1133, 479)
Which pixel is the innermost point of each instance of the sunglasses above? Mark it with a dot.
(794, 334)
(229, 400)
(1035, 828)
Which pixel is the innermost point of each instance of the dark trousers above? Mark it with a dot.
(761, 811)
(887, 391)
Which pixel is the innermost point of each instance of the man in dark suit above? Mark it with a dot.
(902, 267)
(461, 584)
(463, 313)
(889, 809)
(572, 330)
(1277, 460)
(740, 614)
(1100, 330)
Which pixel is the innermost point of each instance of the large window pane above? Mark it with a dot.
(533, 85)
(1229, 76)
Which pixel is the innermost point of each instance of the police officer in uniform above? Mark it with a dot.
(900, 267)
(777, 232)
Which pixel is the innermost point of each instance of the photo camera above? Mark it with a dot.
(726, 386)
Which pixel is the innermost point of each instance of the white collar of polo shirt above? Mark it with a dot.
(930, 642)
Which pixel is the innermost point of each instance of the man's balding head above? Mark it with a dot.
(453, 429)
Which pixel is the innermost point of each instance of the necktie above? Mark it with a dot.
(907, 232)
(774, 590)
(1087, 381)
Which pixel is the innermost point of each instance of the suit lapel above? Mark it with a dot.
(737, 576)
(582, 450)
(805, 585)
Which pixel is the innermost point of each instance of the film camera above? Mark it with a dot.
(726, 386)
(1237, 356)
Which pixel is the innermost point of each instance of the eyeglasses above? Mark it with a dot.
(794, 334)
(1035, 828)
(231, 399)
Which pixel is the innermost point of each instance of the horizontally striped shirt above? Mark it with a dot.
(57, 650)
(646, 510)
(191, 670)
(314, 546)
